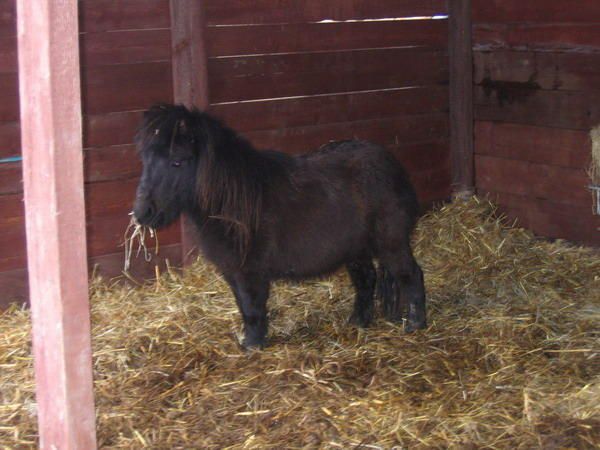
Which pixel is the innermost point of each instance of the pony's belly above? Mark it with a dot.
(312, 259)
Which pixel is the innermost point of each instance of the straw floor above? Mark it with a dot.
(511, 358)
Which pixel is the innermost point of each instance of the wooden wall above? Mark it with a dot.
(290, 82)
(125, 60)
(537, 95)
(279, 75)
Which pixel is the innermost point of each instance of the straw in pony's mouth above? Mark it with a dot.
(137, 232)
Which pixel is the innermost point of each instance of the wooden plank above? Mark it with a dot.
(110, 266)
(55, 222)
(117, 162)
(311, 37)
(557, 184)
(191, 87)
(10, 139)
(423, 156)
(512, 103)
(13, 283)
(8, 54)
(553, 146)
(98, 49)
(461, 96)
(14, 250)
(387, 132)
(270, 76)
(14, 288)
(549, 11)
(545, 70)
(110, 197)
(102, 130)
(105, 234)
(228, 12)
(549, 219)
(9, 93)
(116, 88)
(11, 178)
(111, 15)
(8, 18)
(323, 109)
(434, 185)
(125, 47)
(576, 37)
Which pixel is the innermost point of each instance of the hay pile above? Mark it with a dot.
(510, 360)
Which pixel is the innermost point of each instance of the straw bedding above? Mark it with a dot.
(510, 359)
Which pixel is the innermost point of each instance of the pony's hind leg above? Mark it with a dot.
(407, 288)
(251, 294)
(363, 276)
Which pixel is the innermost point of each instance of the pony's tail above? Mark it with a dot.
(388, 294)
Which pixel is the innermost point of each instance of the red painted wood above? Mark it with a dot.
(10, 139)
(190, 85)
(101, 130)
(556, 37)
(387, 132)
(9, 93)
(294, 11)
(8, 18)
(502, 11)
(8, 54)
(119, 162)
(323, 109)
(556, 184)
(14, 288)
(548, 70)
(310, 37)
(125, 87)
(105, 234)
(461, 96)
(549, 219)
(269, 76)
(13, 283)
(11, 176)
(105, 15)
(556, 109)
(125, 47)
(53, 175)
(552, 146)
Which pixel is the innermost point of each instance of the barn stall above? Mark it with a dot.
(509, 359)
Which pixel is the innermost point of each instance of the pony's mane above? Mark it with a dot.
(231, 174)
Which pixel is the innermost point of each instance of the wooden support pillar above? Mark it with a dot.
(55, 221)
(190, 82)
(461, 97)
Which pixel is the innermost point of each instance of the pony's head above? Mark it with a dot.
(169, 142)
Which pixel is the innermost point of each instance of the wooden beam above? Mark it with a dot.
(190, 82)
(461, 97)
(55, 222)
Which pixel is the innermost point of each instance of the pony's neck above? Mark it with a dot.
(231, 179)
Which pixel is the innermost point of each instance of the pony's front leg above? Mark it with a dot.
(251, 293)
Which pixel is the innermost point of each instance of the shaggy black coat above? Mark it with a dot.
(263, 215)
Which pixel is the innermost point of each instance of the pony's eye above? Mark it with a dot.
(175, 163)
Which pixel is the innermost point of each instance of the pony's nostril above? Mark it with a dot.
(143, 213)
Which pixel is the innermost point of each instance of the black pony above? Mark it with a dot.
(265, 215)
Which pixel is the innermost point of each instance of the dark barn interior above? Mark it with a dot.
(497, 98)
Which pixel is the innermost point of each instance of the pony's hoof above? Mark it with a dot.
(411, 327)
(252, 344)
(360, 320)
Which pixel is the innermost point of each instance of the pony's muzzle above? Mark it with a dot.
(144, 212)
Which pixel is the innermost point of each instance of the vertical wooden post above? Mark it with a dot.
(190, 81)
(55, 221)
(461, 97)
